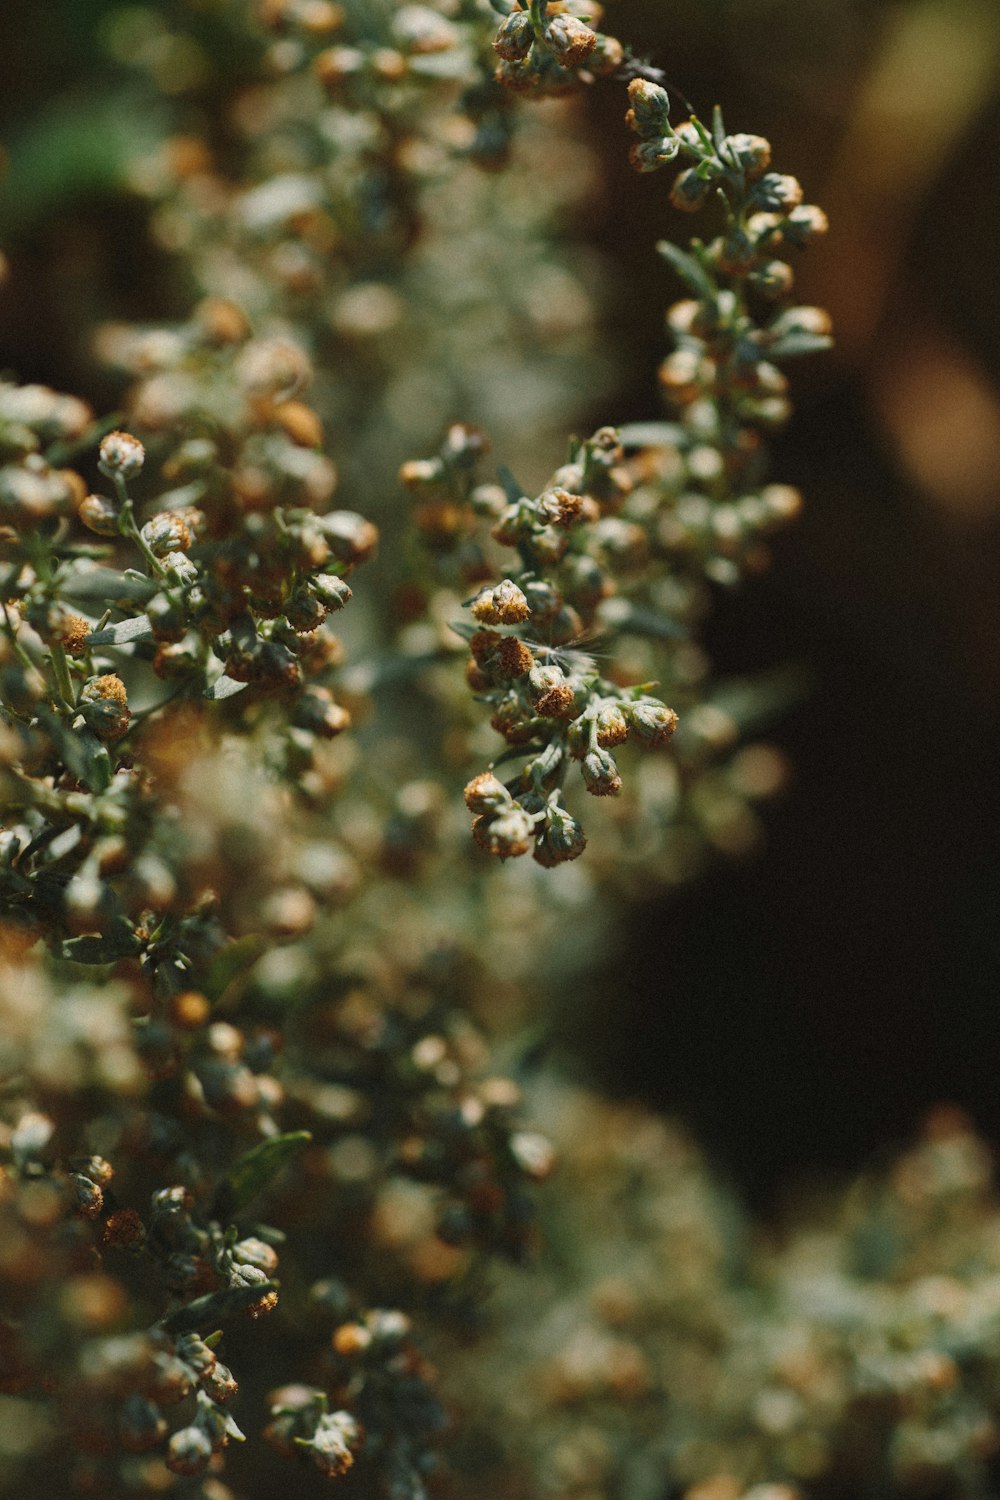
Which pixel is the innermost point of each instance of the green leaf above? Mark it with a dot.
(235, 959)
(224, 687)
(215, 1306)
(82, 752)
(694, 277)
(718, 130)
(123, 631)
(105, 948)
(252, 1173)
(510, 486)
(108, 586)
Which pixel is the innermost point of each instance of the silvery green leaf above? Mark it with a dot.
(135, 629)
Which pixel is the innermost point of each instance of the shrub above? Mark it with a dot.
(257, 969)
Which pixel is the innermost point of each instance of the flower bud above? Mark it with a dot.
(166, 533)
(89, 1197)
(189, 1452)
(570, 40)
(777, 193)
(330, 590)
(752, 152)
(773, 280)
(220, 1384)
(331, 1446)
(167, 617)
(509, 834)
(551, 692)
(650, 111)
(690, 190)
(486, 793)
(652, 722)
(352, 538)
(533, 1152)
(612, 726)
(600, 774)
(562, 840)
(649, 156)
(99, 514)
(514, 39)
(304, 613)
(316, 711)
(804, 224)
(254, 1252)
(121, 455)
(607, 56)
(140, 1426)
(504, 604)
(104, 706)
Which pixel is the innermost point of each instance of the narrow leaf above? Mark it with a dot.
(694, 277)
(123, 631)
(108, 586)
(215, 1306)
(511, 488)
(252, 1173)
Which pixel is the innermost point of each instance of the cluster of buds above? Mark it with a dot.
(551, 46)
(301, 1425)
(245, 561)
(528, 662)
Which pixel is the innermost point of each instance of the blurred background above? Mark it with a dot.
(803, 1009)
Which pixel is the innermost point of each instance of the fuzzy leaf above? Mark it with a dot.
(123, 631)
(224, 687)
(108, 586)
(252, 1173)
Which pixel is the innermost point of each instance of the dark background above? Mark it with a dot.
(805, 1010)
(801, 1011)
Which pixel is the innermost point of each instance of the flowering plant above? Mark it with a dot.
(249, 949)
